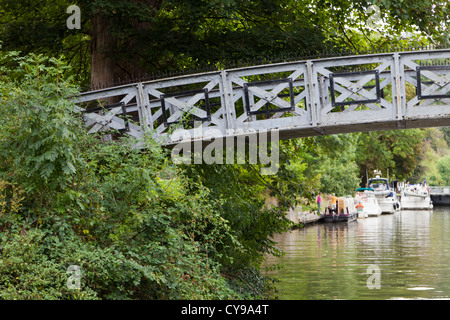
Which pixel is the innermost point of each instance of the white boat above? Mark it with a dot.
(386, 197)
(370, 207)
(416, 197)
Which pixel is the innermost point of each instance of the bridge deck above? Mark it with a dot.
(298, 99)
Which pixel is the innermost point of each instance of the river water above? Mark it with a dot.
(404, 255)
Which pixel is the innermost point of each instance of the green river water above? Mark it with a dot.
(405, 255)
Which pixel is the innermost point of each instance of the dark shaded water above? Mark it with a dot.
(406, 253)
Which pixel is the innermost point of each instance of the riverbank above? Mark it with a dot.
(297, 215)
(301, 218)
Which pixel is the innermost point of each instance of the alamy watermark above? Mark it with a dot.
(74, 21)
(74, 281)
(374, 279)
(211, 147)
(374, 20)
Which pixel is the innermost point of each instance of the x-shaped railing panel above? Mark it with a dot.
(351, 90)
(440, 88)
(355, 88)
(431, 81)
(272, 98)
(178, 104)
(113, 116)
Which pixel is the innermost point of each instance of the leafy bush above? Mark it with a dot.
(443, 167)
(137, 226)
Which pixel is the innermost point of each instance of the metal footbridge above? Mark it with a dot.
(381, 91)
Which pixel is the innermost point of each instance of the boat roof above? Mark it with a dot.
(375, 179)
(364, 189)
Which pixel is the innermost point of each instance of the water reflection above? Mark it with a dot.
(330, 260)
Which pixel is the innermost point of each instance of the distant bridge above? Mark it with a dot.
(303, 98)
(440, 195)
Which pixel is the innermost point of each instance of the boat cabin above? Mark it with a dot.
(379, 184)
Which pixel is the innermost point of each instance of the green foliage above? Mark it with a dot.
(367, 24)
(156, 36)
(28, 271)
(137, 226)
(405, 14)
(238, 192)
(34, 26)
(396, 151)
(338, 166)
(435, 147)
(443, 167)
(40, 27)
(183, 34)
(446, 132)
(174, 35)
(42, 136)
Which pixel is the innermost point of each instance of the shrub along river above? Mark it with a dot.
(404, 255)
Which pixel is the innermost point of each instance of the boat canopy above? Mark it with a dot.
(364, 189)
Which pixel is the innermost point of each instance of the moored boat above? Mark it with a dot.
(386, 197)
(366, 197)
(340, 209)
(416, 197)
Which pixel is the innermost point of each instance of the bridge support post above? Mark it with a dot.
(225, 88)
(398, 89)
(143, 108)
(311, 80)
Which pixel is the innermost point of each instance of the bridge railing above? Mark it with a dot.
(310, 96)
(439, 190)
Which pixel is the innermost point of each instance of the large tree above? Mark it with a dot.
(130, 38)
(122, 39)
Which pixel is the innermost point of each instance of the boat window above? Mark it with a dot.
(378, 184)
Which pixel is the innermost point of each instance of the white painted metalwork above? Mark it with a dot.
(439, 190)
(303, 98)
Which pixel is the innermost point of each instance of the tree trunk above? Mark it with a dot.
(102, 66)
(105, 71)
